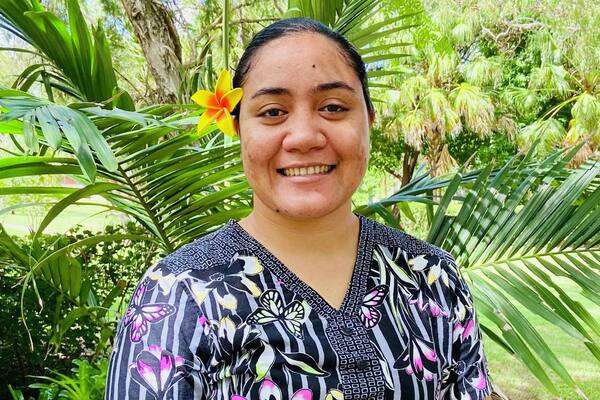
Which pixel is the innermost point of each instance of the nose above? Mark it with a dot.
(303, 132)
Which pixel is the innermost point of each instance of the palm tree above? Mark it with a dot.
(435, 100)
(568, 87)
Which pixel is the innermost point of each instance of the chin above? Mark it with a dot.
(305, 211)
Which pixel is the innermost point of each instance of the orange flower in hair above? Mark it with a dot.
(219, 104)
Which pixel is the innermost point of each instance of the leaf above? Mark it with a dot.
(94, 138)
(74, 278)
(57, 254)
(81, 63)
(29, 133)
(264, 362)
(87, 191)
(50, 128)
(302, 363)
(124, 115)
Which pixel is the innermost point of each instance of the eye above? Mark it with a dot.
(332, 108)
(270, 113)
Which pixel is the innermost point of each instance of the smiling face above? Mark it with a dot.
(303, 106)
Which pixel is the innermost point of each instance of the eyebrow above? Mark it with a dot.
(279, 91)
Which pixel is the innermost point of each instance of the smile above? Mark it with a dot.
(304, 171)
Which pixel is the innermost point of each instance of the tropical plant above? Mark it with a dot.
(72, 60)
(86, 382)
(179, 184)
(437, 99)
(545, 83)
(81, 282)
(520, 228)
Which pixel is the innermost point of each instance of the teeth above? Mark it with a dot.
(319, 169)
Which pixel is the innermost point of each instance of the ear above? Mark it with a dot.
(371, 119)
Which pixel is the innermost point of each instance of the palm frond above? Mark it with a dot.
(519, 231)
(77, 59)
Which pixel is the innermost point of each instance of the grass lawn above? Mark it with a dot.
(23, 220)
(519, 384)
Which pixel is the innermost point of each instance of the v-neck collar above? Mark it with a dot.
(355, 291)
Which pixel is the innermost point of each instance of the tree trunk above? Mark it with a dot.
(409, 162)
(155, 31)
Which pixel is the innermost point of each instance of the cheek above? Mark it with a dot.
(360, 150)
(256, 156)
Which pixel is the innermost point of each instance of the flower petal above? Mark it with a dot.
(251, 286)
(469, 328)
(223, 84)
(225, 123)
(148, 374)
(428, 352)
(228, 301)
(226, 329)
(303, 394)
(252, 265)
(334, 394)
(207, 117)
(231, 98)
(166, 367)
(199, 291)
(205, 99)
(265, 362)
(418, 263)
(480, 381)
(269, 389)
(434, 273)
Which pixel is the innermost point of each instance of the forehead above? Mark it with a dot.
(299, 61)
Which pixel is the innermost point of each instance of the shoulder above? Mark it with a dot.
(209, 254)
(389, 237)
(213, 249)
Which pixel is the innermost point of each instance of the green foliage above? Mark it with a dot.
(87, 381)
(496, 148)
(76, 61)
(74, 304)
(54, 121)
(545, 62)
(385, 152)
(144, 184)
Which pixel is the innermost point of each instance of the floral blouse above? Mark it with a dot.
(222, 318)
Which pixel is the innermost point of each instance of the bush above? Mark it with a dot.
(43, 327)
(86, 382)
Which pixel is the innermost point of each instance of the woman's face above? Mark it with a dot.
(303, 106)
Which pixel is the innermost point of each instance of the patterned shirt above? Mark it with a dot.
(222, 318)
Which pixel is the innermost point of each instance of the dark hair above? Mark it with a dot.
(289, 26)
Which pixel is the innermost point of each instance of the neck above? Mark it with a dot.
(322, 234)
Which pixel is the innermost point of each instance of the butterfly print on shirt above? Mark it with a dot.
(369, 314)
(139, 316)
(274, 309)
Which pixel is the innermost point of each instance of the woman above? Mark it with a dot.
(302, 299)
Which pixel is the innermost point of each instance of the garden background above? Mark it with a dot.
(486, 144)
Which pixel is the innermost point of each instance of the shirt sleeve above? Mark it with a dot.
(467, 376)
(157, 342)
